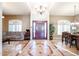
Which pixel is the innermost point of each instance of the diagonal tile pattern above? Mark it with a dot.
(12, 48)
(41, 48)
(33, 48)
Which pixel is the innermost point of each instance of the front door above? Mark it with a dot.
(39, 30)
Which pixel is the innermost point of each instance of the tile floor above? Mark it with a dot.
(38, 48)
(63, 47)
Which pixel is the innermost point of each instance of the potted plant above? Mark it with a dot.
(51, 31)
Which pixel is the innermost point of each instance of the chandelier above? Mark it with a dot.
(74, 12)
(41, 9)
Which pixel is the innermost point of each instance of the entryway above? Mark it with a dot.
(39, 30)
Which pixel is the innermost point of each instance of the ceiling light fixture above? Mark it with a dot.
(41, 9)
(74, 12)
(74, 19)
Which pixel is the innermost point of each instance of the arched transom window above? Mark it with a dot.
(15, 25)
(63, 26)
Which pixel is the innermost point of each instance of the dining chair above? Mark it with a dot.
(73, 39)
(65, 37)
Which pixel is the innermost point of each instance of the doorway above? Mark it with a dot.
(39, 30)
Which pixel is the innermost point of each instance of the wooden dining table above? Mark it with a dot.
(76, 37)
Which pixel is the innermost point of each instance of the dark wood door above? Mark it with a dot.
(39, 30)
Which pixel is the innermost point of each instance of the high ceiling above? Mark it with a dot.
(15, 8)
(65, 9)
(56, 8)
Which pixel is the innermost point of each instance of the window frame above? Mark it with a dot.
(16, 24)
(65, 25)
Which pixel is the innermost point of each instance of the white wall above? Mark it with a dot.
(25, 22)
(0, 31)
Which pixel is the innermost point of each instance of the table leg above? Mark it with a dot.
(77, 44)
(8, 41)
